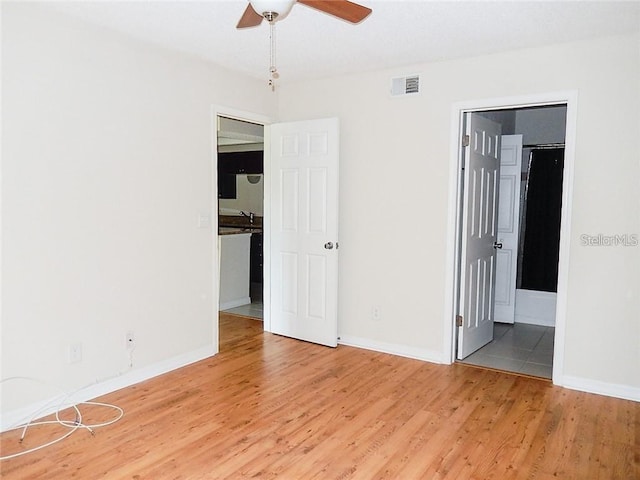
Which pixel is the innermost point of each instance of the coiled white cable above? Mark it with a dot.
(72, 425)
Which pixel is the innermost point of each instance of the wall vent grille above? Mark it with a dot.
(409, 85)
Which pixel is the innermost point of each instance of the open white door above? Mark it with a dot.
(304, 230)
(479, 234)
(508, 228)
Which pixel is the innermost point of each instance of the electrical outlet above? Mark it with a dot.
(75, 353)
(130, 340)
(375, 313)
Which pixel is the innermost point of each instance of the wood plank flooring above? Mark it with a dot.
(271, 407)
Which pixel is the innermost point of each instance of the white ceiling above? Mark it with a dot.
(311, 44)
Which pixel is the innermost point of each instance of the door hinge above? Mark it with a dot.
(458, 320)
(466, 140)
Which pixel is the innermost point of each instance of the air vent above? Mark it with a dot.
(409, 85)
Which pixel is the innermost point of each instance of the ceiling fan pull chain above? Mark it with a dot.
(272, 67)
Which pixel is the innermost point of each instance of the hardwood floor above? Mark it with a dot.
(272, 407)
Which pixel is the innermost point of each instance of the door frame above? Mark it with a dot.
(452, 276)
(265, 121)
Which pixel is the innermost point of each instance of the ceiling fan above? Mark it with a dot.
(257, 10)
(272, 10)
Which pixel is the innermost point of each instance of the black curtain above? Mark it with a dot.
(542, 220)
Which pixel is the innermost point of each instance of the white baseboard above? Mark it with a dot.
(235, 303)
(625, 392)
(17, 417)
(392, 348)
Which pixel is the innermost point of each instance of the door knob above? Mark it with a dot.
(328, 245)
(497, 245)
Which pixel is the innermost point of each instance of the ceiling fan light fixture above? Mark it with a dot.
(272, 9)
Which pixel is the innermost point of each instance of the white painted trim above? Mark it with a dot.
(601, 388)
(235, 303)
(266, 230)
(19, 416)
(565, 235)
(392, 348)
(452, 254)
(229, 112)
(570, 98)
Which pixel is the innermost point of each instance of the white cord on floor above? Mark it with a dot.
(72, 425)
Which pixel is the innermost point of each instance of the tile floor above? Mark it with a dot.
(518, 348)
(254, 309)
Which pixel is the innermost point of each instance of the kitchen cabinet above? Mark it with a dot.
(239, 163)
(227, 186)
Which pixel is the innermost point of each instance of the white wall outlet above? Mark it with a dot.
(75, 353)
(130, 340)
(375, 313)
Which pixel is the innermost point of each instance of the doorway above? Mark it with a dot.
(549, 337)
(300, 228)
(240, 151)
(239, 217)
(528, 222)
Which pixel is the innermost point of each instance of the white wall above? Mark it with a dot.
(394, 178)
(234, 270)
(541, 125)
(106, 157)
(106, 163)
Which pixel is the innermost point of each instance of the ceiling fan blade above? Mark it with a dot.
(344, 9)
(249, 18)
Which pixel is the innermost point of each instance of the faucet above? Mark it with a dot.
(247, 215)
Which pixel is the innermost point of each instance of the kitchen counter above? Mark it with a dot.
(236, 224)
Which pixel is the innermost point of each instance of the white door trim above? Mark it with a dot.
(229, 112)
(570, 98)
